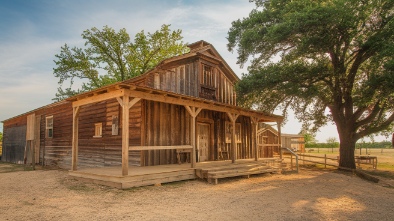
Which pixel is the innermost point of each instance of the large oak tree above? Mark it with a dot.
(329, 60)
(111, 56)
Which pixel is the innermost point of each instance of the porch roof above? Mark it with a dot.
(120, 89)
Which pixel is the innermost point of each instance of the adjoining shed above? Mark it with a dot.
(184, 110)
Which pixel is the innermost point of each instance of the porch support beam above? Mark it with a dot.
(185, 101)
(233, 118)
(74, 151)
(279, 123)
(255, 122)
(193, 111)
(126, 104)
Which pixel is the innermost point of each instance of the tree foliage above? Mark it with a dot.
(111, 56)
(328, 60)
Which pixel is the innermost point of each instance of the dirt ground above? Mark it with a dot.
(309, 195)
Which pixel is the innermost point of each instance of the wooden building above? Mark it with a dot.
(183, 109)
(268, 141)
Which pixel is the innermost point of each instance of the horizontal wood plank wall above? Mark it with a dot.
(164, 125)
(56, 151)
(93, 152)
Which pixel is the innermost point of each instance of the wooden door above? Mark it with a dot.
(203, 131)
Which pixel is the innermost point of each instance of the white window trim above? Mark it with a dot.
(47, 128)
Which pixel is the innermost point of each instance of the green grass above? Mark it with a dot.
(10, 167)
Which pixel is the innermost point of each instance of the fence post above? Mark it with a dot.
(325, 160)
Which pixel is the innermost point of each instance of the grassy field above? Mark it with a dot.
(385, 156)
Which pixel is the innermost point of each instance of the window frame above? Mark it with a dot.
(98, 130)
(48, 127)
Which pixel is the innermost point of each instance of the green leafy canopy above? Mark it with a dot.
(310, 55)
(111, 56)
(328, 60)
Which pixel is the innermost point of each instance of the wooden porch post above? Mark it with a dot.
(74, 153)
(233, 118)
(193, 113)
(254, 138)
(280, 139)
(126, 105)
(125, 136)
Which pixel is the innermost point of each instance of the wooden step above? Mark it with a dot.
(214, 176)
(205, 171)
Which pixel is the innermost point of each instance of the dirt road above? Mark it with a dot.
(309, 195)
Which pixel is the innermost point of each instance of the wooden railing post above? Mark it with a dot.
(254, 138)
(325, 160)
(280, 139)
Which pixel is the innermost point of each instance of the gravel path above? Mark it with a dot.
(309, 195)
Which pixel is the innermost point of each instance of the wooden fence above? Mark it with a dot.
(334, 161)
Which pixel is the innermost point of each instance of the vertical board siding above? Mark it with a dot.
(165, 124)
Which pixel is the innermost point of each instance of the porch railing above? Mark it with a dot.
(173, 147)
(292, 153)
(179, 149)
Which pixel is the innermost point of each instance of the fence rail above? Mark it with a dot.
(334, 161)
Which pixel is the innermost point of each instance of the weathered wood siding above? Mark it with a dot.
(166, 125)
(268, 141)
(14, 140)
(93, 151)
(192, 78)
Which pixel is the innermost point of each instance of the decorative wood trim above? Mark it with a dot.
(99, 97)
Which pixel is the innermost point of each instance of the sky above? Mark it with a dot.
(32, 32)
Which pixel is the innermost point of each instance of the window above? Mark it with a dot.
(115, 125)
(208, 76)
(98, 129)
(49, 126)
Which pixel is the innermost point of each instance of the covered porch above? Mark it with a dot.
(154, 175)
(128, 95)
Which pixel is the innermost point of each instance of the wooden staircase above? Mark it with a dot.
(244, 168)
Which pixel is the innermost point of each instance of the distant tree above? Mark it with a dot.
(309, 138)
(332, 142)
(313, 56)
(1, 136)
(111, 56)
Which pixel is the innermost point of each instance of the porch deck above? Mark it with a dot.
(151, 175)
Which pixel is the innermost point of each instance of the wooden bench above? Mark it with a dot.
(183, 151)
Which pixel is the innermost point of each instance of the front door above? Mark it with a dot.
(203, 131)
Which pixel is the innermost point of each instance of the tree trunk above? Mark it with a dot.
(346, 153)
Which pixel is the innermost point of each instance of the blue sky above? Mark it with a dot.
(32, 32)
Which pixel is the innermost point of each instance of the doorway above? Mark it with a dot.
(203, 140)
